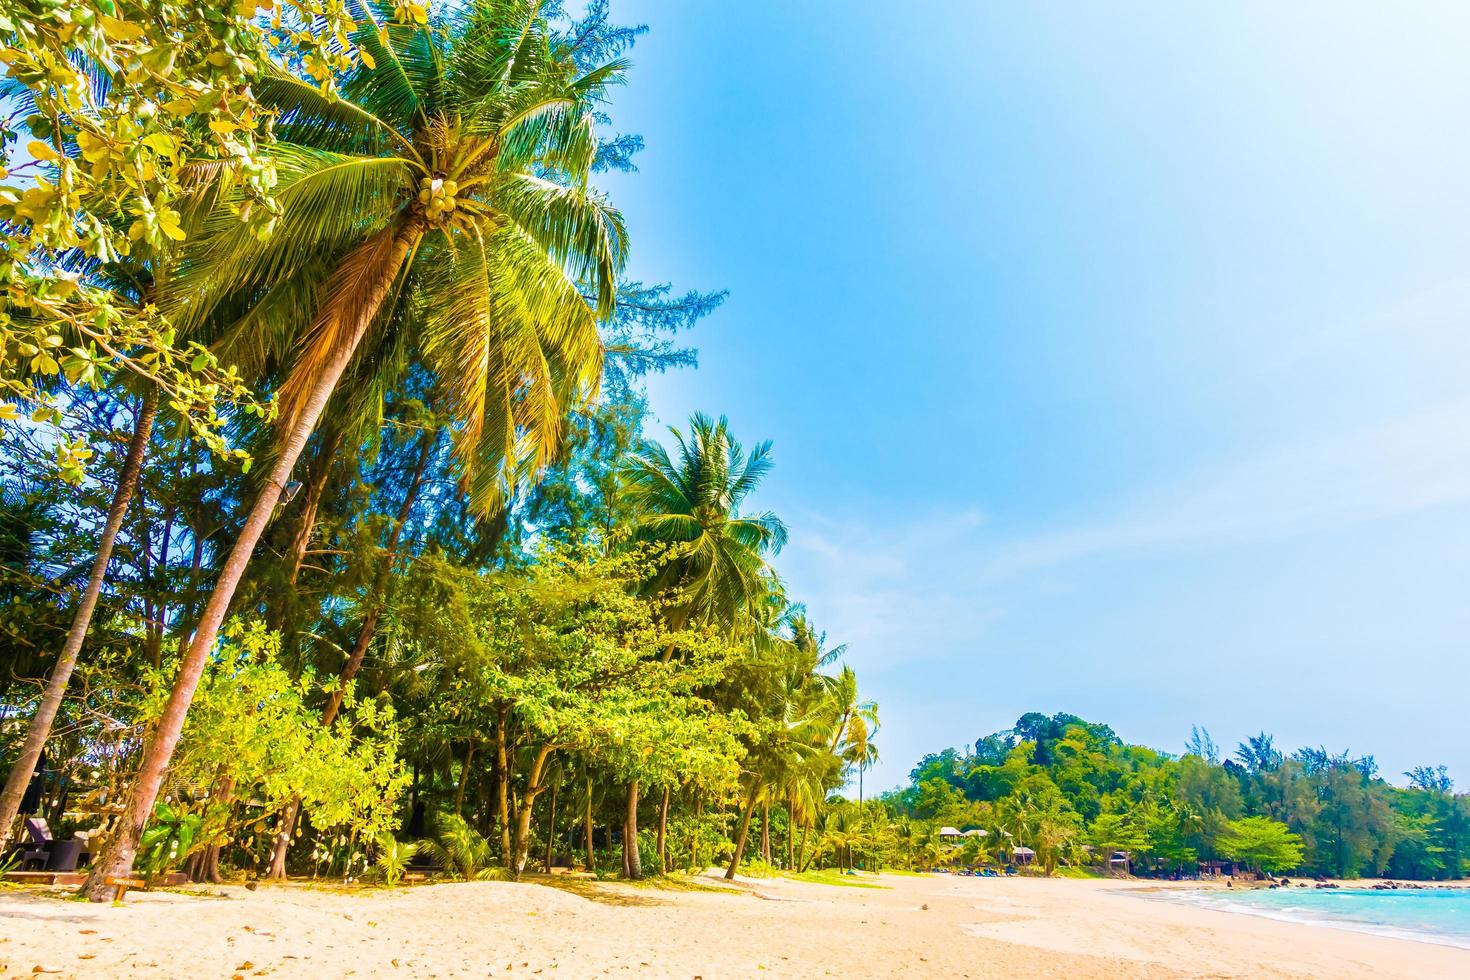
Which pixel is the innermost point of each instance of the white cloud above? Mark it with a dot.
(1374, 473)
(905, 590)
(896, 593)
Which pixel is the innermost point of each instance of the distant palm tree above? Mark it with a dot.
(439, 189)
(716, 572)
(860, 750)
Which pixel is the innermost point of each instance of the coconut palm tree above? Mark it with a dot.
(859, 750)
(716, 571)
(791, 754)
(439, 189)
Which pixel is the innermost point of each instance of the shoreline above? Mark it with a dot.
(1230, 904)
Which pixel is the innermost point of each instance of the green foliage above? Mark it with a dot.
(1262, 844)
(452, 161)
(391, 857)
(463, 852)
(121, 110)
(250, 729)
(715, 572)
(168, 840)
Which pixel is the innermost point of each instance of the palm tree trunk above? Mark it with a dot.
(285, 827)
(744, 832)
(282, 613)
(663, 834)
(632, 864)
(311, 504)
(587, 829)
(837, 732)
(464, 775)
(790, 841)
(117, 858)
(694, 837)
(766, 832)
(205, 866)
(155, 614)
(66, 662)
(802, 860)
(502, 785)
(551, 826)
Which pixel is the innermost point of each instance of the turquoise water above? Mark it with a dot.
(1432, 915)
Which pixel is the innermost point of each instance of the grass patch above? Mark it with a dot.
(681, 883)
(593, 891)
(1078, 873)
(620, 891)
(829, 876)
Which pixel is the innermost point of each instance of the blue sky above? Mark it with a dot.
(1115, 355)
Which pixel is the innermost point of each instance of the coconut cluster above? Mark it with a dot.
(436, 194)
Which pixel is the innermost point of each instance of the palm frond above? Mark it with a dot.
(327, 200)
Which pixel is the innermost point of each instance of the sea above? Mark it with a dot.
(1432, 915)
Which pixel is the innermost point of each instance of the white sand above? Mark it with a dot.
(973, 927)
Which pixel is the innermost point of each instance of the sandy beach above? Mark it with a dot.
(912, 926)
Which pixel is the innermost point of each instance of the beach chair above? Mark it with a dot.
(33, 856)
(46, 852)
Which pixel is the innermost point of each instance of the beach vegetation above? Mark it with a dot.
(334, 541)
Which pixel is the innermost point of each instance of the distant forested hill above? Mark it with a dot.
(1071, 789)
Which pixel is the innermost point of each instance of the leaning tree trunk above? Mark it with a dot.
(632, 866)
(205, 866)
(744, 832)
(311, 504)
(525, 806)
(281, 615)
(802, 860)
(364, 640)
(766, 832)
(373, 267)
(380, 581)
(66, 662)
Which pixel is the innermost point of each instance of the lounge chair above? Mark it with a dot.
(48, 853)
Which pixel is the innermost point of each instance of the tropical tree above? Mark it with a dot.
(859, 749)
(716, 571)
(1262, 844)
(443, 193)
